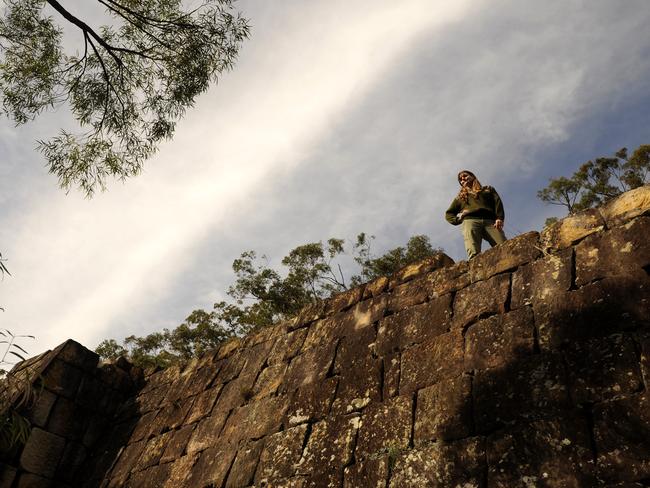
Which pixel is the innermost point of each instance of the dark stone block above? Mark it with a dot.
(385, 427)
(74, 353)
(171, 416)
(359, 385)
(595, 310)
(28, 480)
(372, 472)
(40, 411)
(552, 453)
(66, 419)
(505, 257)
(603, 368)
(329, 450)
(481, 299)
(127, 460)
(542, 279)
(500, 340)
(143, 426)
(42, 453)
(62, 379)
(311, 402)
(408, 294)
(354, 349)
(414, 325)
(623, 250)
(444, 411)
(392, 367)
(91, 393)
(532, 388)
(622, 433)
(431, 361)
(243, 468)
(459, 464)
(281, 454)
(7, 475)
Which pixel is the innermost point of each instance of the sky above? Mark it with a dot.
(339, 117)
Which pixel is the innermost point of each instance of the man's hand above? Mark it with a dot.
(498, 223)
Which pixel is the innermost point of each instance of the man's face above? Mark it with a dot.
(466, 179)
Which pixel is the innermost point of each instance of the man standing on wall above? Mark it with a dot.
(480, 210)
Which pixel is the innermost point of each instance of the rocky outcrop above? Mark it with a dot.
(528, 366)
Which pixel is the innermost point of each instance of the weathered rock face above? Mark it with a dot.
(528, 366)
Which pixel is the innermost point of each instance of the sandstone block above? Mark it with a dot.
(376, 287)
(287, 346)
(603, 368)
(532, 388)
(385, 427)
(368, 312)
(256, 358)
(231, 367)
(627, 206)
(415, 270)
(431, 361)
(505, 257)
(444, 411)
(311, 402)
(154, 399)
(229, 347)
(359, 385)
(269, 381)
(207, 431)
(344, 300)
(153, 477)
(392, 367)
(125, 463)
(571, 229)
(354, 348)
(172, 416)
(312, 365)
(413, 325)
(481, 299)
(595, 310)
(621, 432)
(327, 330)
(542, 279)
(371, 472)
(459, 464)
(243, 468)
(255, 420)
(543, 453)
(500, 339)
(307, 315)
(143, 426)
(623, 250)
(203, 404)
(235, 394)
(328, 450)
(176, 442)
(212, 466)
(448, 279)
(152, 452)
(408, 294)
(179, 472)
(282, 452)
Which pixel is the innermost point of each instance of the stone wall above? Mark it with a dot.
(527, 366)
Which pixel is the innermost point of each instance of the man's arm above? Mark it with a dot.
(498, 210)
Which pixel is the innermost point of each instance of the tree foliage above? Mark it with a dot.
(262, 295)
(600, 180)
(127, 84)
